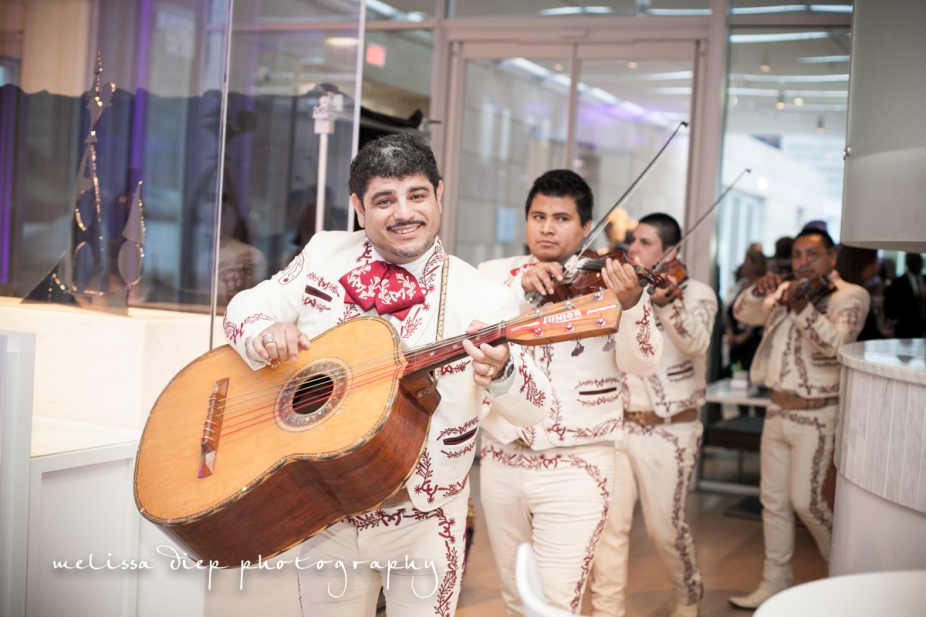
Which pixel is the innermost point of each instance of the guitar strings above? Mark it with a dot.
(417, 351)
(486, 335)
(370, 376)
(370, 370)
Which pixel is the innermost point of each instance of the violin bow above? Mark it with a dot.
(571, 263)
(701, 220)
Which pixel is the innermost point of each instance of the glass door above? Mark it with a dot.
(601, 110)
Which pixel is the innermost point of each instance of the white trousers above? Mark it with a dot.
(415, 557)
(663, 459)
(558, 501)
(796, 450)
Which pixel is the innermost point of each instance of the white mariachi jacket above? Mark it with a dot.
(681, 381)
(586, 378)
(308, 294)
(807, 365)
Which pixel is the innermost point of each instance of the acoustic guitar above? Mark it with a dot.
(237, 464)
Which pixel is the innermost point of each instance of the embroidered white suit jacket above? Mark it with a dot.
(814, 338)
(681, 381)
(308, 294)
(586, 378)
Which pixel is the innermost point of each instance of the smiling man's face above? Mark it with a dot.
(400, 215)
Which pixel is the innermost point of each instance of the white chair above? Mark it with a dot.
(527, 577)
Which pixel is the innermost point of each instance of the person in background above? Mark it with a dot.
(905, 300)
(860, 267)
(781, 260)
(744, 339)
(807, 320)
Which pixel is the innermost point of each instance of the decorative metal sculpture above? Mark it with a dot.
(87, 274)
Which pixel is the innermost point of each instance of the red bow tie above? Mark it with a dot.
(392, 289)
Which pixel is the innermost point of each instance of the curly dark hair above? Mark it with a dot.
(564, 183)
(398, 156)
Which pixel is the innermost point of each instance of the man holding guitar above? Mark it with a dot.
(550, 484)
(396, 269)
(662, 431)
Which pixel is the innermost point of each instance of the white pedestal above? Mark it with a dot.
(880, 518)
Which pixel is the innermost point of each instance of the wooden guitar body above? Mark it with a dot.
(272, 464)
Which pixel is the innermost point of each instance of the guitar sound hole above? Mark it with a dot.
(312, 394)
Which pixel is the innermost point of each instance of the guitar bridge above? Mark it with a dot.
(212, 428)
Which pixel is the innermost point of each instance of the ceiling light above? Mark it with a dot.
(820, 125)
(734, 100)
(341, 41)
(632, 65)
(557, 67)
(763, 183)
(766, 66)
(781, 101)
(798, 100)
(778, 37)
(822, 59)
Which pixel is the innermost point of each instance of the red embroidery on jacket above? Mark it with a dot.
(350, 312)
(458, 430)
(681, 371)
(598, 383)
(423, 469)
(315, 304)
(811, 331)
(431, 268)
(523, 268)
(233, 332)
(459, 367)
(604, 399)
(529, 389)
(678, 321)
(643, 335)
(603, 429)
(459, 453)
(334, 288)
(703, 311)
(448, 585)
(412, 322)
(367, 253)
(592, 545)
(292, 270)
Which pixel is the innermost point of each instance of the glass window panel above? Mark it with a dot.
(397, 72)
(627, 111)
(513, 130)
(294, 11)
(559, 8)
(160, 126)
(400, 10)
(273, 153)
(766, 7)
(785, 119)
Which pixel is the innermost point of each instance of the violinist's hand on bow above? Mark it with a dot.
(622, 280)
(488, 361)
(542, 277)
(767, 284)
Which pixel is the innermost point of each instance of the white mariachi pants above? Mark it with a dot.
(663, 458)
(796, 450)
(415, 557)
(608, 581)
(558, 501)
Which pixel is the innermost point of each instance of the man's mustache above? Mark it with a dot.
(404, 224)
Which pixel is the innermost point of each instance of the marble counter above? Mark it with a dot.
(880, 514)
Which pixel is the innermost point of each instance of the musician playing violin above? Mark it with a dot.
(806, 321)
(396, 269)
(551, 484)
(662, 428)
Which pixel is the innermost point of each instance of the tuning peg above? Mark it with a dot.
(644, 283)
(579, 349)
(651, 289)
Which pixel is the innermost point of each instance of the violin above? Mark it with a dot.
(587, 277)
(676, 275)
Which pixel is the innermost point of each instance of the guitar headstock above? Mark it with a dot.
(595, 314)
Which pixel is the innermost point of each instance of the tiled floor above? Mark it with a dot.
(729, 551)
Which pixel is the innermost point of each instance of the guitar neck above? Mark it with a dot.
(444, 352)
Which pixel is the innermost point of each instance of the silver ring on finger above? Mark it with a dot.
(268, 338)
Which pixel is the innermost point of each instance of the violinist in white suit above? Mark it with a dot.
(663, 431)
(396, 269)
(806, 321)
(552, 484)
